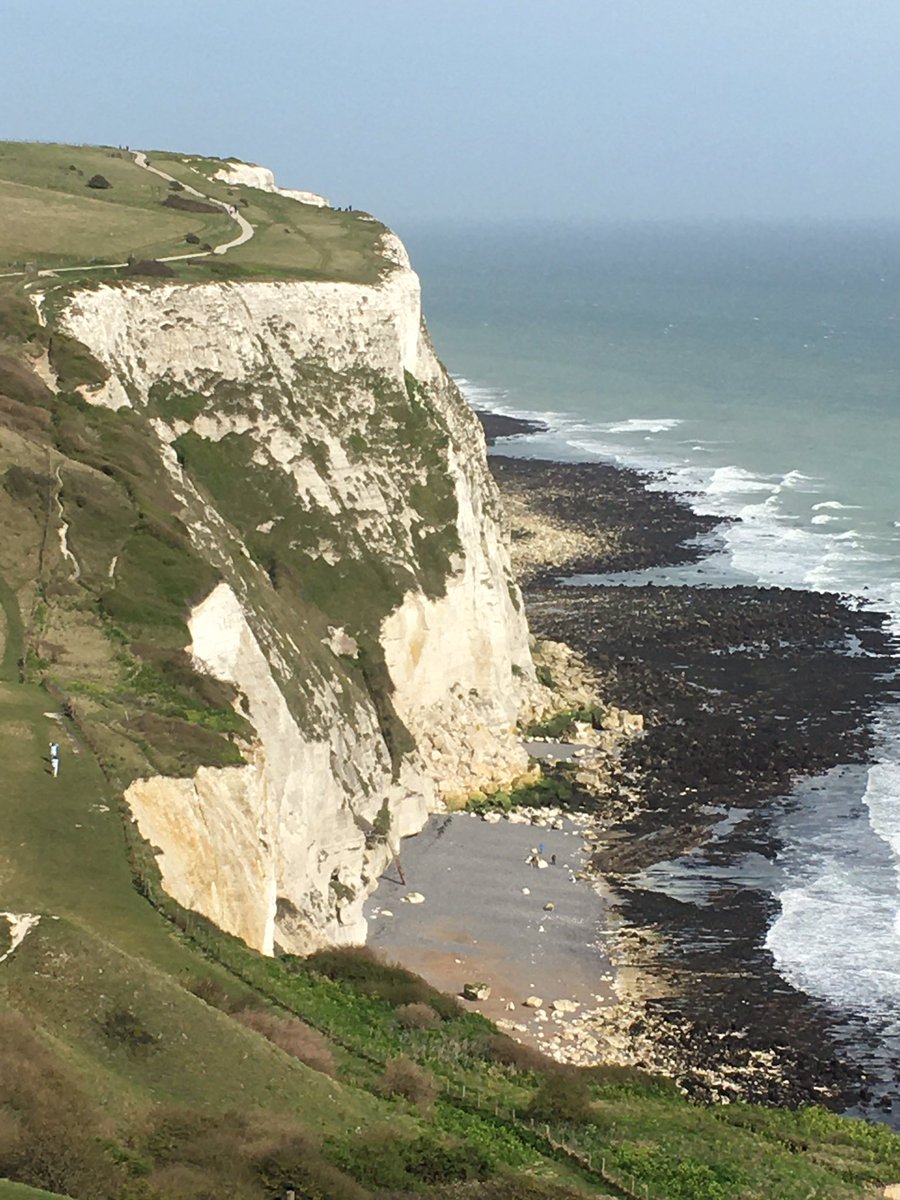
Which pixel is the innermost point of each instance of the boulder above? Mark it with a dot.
(565, 1006)
(340, 643)
(533, 1002)
(414, 898)
(476, 991)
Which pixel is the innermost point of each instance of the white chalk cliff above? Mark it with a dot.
(250, 175)
(342, 455)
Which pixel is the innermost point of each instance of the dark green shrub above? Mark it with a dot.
(189, 204)
(192, 239)
(151, 267)
(378, 1158)
(98, 181)
(120, 1025)
(292, 1162)
(359, 967)
(563, 1095)
(499, 1048)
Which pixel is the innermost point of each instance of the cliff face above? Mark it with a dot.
(362, 604)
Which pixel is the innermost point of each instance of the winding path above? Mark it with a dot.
(246, 230)
(244, 225)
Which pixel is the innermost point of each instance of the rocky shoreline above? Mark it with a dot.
(744, 690)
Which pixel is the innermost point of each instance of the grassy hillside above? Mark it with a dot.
(53, 219)
(144, 1055)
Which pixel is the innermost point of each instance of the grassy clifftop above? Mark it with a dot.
(53, 218)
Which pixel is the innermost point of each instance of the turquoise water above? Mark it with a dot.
(759, 369)
(760, 366)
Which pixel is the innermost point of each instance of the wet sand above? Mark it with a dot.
(478, 925)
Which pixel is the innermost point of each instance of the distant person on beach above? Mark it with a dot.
(54, 758)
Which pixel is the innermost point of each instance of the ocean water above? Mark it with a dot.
(758, 368)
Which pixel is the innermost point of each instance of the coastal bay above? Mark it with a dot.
(750, 696)
(746, 692)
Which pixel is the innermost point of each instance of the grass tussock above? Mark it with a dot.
(293, 1036)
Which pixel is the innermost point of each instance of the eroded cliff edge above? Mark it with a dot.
(360, 601)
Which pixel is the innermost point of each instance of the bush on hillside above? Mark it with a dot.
(216, 995)
(98, 181)
(149, 266)
(190, 1155)
(364, 972)
(192, 239)
(379, 1158)
(404, 1078)
(417, 1016)
(189, 204)
(563, 1095)
(499, 1048)
(293, 1036)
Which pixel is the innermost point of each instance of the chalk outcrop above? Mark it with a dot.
(366, 613)
(250, 175)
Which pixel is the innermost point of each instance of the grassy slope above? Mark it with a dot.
(52, 219)
(21, 1191)
(68, 862)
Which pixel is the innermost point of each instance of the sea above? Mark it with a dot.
(756, 369)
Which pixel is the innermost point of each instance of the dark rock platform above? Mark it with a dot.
(744, 690)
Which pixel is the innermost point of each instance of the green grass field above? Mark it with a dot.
(52, 219)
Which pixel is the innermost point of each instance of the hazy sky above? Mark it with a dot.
(568, 109)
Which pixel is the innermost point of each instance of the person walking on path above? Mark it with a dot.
(54, 758)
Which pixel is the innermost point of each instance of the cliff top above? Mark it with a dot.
(101, 212)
